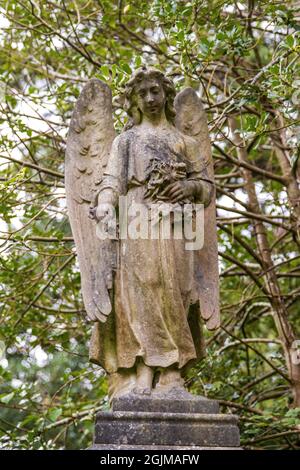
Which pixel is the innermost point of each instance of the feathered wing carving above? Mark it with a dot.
(88, 145)
(191, 120)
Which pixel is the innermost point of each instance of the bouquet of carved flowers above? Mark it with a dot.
(160, 174)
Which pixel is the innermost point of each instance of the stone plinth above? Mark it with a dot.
(177, 420)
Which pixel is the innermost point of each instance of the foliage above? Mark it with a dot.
(243, 58)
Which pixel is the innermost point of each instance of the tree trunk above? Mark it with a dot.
(280, 313)
(293, 190)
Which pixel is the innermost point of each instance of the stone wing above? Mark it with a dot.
(88, 145)
(191, 120)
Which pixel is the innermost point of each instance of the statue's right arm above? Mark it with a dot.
(112, 182)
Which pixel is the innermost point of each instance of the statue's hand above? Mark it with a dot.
(179, 190)
(105, 216)
(103, 211)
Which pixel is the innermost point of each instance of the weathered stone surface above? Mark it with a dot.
(176, 401)
(145, 294)
(157, 448)
(174, 420)
(166, 429)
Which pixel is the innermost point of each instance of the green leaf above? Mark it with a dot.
(54, 413)
(290, 40)
(105, 71)
(7, 398)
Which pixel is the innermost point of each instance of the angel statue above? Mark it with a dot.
(147, 296)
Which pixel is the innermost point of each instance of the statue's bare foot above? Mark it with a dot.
(144, 379)
(121, 383)
(142, 390)
(170, 379)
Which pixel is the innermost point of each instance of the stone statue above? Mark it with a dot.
(146, 295)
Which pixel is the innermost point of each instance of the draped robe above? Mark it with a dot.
(154, 315)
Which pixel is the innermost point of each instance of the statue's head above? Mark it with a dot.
(149, 92)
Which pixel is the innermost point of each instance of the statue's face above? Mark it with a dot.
(151, 97)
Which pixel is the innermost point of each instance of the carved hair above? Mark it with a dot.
(130, 104)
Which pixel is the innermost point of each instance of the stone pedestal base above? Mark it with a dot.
(157, 448)
(177, 420)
